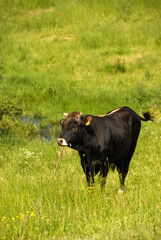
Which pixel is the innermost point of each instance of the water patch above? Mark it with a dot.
(43, 128)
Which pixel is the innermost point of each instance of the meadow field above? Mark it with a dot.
(95, 56)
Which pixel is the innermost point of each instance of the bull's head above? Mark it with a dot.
(73, 128)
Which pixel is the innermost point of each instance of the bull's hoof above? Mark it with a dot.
(122, 189)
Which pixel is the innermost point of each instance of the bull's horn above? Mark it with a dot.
(65, 114)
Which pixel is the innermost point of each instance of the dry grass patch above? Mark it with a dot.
(55, 37)
(35, 13)
(132, 58)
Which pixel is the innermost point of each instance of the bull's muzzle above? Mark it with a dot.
(62, 142)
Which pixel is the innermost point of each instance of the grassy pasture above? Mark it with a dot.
(67, 55)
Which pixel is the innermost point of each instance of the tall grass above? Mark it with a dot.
(67, 55)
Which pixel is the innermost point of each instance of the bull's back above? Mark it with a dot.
(124, 127)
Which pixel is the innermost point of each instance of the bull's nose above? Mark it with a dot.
(62, 142)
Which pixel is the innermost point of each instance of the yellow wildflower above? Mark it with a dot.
(81, 188)
(32, 214)
(3, 219)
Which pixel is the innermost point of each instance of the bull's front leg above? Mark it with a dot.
(90, 178)
(104, 172)
(87, 167)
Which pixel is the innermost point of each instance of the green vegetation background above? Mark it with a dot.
(67, 55)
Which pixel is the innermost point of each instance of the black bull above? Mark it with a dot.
(103, 141)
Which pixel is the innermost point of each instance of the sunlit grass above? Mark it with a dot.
(65, 206)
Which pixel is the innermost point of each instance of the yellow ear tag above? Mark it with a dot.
(88, 120)
(87, 123)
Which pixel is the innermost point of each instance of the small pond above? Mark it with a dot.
(47, 130)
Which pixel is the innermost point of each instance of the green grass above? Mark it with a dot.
(67, 55)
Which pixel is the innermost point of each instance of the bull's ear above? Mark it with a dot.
(80, 113)
(88, 120)
(62, 121)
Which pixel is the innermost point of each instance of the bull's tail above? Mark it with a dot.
(147, 117)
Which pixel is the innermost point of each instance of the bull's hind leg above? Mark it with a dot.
(123, 167)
